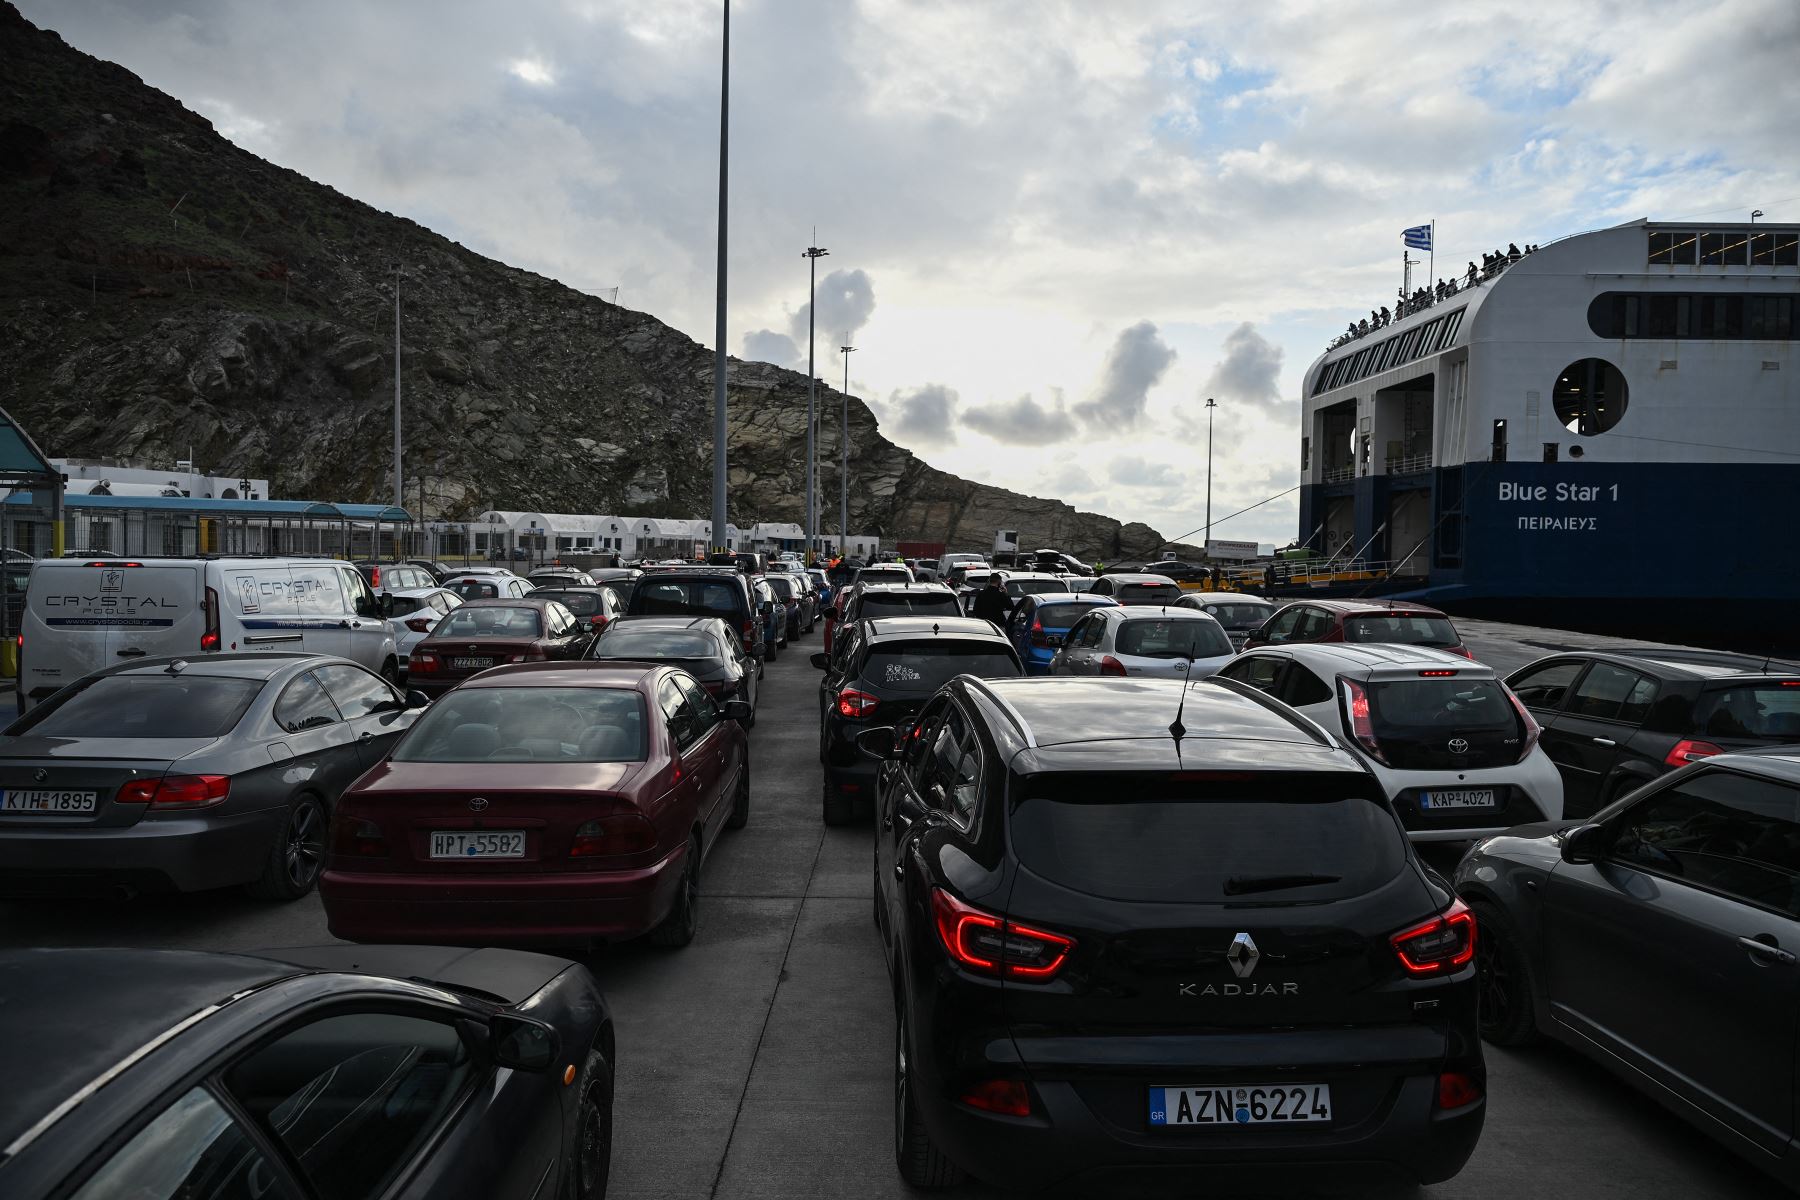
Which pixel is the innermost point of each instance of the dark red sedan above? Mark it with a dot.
(549, 804)
(492, 633)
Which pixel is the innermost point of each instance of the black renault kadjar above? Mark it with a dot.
(880, 674)
(1191, 952)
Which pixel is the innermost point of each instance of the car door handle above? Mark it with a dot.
(1604, 742)
(1768, 949)
(367, 736)
(899, 871)
(132, 653)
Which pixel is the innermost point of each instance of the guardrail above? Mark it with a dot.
(1340, 474)
(1408, 464)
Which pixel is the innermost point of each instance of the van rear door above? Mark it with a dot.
(82, 617)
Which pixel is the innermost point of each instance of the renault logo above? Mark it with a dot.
(1459, 745)
(1242, 955)
(478, 804)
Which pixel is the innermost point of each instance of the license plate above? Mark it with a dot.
(43, 801)
(471, 664)
(487, 843)
(1457, 798)
(1252, 1104)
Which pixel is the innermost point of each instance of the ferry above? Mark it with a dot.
(1603, 432)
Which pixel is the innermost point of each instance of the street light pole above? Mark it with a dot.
(844, 451)
(1210, 405)
(812, 255)
(719, 366)
(399, 486)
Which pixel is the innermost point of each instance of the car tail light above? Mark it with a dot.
(419, 624)
(1457, 1090)
(1359, 719)
(1111, 666)
(1038, 637)
(1687, 750)
(1459, 649)
(1438, 674)
(1008, 1097)
(1526, 722)
(177, 791)
(856, 705)
(528, 656)
(991, 945)
(422, 664)
(621, 833)
(375, 577)
(1444, 944)
(209, 641)
(359, 838)
(598, 620)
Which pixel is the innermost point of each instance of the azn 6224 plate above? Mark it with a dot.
(1250, 1104)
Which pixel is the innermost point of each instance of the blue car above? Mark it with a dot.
(1039, 622)
(822, 584)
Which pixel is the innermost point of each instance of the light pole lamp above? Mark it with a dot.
(719, 363)
(844, 453)
(812, 255)
(1211, 404)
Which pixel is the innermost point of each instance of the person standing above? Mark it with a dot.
(992, 603)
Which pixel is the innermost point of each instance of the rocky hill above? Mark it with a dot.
(162, 289)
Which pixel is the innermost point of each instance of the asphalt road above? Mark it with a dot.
(757, 1061)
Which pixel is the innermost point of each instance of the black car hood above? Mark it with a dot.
(511, 975)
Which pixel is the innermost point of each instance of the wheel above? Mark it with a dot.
(292, 868)
(740, 808)
(1504, 980)
(839, 808)
(922, 1164)
(677, 929)
(591, 1145)
(390, 671)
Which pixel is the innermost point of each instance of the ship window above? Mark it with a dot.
(1589, 396)
(1720, 317)
(1724, 249)
(1670, 315)
(1499, 454)
(1770, 318)
(1775, 249)
(1452, 323)
(1673, 249)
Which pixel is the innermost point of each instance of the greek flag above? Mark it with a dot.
(1417, 238)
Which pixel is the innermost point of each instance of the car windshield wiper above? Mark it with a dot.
(1239, 885)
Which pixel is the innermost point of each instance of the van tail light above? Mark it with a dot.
(419, 624)
(1441, 946)
(422, 664)
(209, 641)
(856, 705)
(1457, 1090)
(177, 791)
(1008, 1097)
(1527, 723)
(1111, 666)
(610, 837)
(356, 837)
(990, 945)
(1359, 720)
(1687, 750)
(1038, 637)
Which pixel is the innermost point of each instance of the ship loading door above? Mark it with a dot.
(1409, 525)
(1340, 525)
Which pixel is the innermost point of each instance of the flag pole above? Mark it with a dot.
(1431, 256)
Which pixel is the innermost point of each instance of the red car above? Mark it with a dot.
(1359, 621)
(542, 805)
(490, 633)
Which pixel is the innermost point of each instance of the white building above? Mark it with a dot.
(91, 477)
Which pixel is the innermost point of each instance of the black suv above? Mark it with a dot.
(700, 592)
(880, 673)
(1615, 721)
(1205, 961)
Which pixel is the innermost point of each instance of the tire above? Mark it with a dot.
(740, 808)
(390, 671)
(1505, 980)
(677, 929)
(590, 1146)
(922, 1165)
(839, 808)
(292, 867)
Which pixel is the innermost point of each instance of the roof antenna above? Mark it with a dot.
(1176, 729)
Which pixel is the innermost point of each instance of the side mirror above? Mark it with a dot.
(738, 710)
(879, 743)
(1584, 844)
(387, 604)
(758, 649)
(417, 699)
(522, 1043)
(821, 661)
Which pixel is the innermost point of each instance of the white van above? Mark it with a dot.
(83, 615)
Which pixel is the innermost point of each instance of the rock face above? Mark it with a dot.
(161, 290)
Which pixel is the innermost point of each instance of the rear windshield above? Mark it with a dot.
(1165, 638)
(622, 641)
(406, 604)
(473, 589)
(1155, 837)
(884, 575)
(1147, 593)
(145, 706)
(1402, 708)
(784, 587)
(900, 604)
(716, 597)
(1411, 629)
(1035, 587)
(1240, 616)
(923, 667)
(529, 724)
(1764, 711)
(498, 621)
(582, 604)
(1061, 616)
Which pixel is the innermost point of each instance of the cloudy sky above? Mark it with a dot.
(1055, 228)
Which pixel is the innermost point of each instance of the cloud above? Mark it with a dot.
(924, 416)
(1067, 479)
(1023, 422)
(534, 71)
(846, 302)
(1131, 470)
(765, 345)
(1137, 361)
(1249, 372)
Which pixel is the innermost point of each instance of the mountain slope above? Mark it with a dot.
(162, 290)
